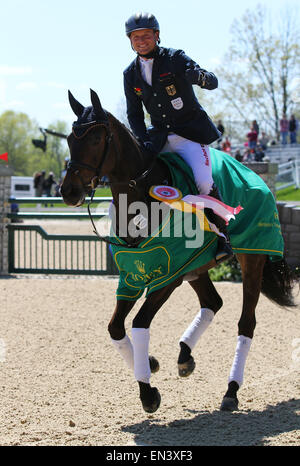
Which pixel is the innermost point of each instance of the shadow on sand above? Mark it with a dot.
(241, 428)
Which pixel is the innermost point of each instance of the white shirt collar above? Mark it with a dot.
(146, 69)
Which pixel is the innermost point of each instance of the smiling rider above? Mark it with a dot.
(162, 79)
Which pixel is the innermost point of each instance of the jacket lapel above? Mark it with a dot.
(155, 69)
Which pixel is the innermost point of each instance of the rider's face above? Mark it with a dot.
(144, 40)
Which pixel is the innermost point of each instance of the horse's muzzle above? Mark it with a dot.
(72, 195)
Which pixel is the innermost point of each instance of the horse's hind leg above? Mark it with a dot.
(252, 266)
(210, 302)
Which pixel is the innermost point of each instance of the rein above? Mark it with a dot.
(74, 166)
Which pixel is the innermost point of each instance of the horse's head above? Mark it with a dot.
(88, 145)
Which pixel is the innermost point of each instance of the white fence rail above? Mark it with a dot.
(288, 174)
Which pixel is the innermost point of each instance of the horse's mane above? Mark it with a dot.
(123, 129)
(125, 133)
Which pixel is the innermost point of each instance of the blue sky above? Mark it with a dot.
(50, 46)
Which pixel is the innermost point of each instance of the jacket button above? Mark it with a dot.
(159, 105)
(155, 95)
(164, 116)
(168, 126)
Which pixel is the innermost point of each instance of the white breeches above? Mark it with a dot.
(197, 156)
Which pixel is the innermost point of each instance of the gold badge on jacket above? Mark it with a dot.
(171, 90)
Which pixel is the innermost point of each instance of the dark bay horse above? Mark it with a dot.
(101, 146)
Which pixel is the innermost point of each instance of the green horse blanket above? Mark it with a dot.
(172, 250)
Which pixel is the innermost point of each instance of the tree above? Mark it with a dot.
(263, 59)
(57, 149)
(16, 133)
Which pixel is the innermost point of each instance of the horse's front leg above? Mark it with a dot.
(252, 266)
(116, 328)
(149, 396)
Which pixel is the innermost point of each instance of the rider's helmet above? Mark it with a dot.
(141, 21)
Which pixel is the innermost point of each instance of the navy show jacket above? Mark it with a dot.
(170, 101)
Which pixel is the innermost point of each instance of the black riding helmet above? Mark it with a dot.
(141, 21)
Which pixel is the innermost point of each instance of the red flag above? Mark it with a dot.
(4, 156)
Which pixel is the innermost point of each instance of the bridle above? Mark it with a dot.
(74, 167)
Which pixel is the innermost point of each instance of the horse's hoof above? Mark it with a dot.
(229, 404)
(154, 364)
(185, 369)
(153, 405)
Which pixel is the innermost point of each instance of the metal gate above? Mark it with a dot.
(32, 250)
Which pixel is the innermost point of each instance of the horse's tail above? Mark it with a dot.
(278, 282)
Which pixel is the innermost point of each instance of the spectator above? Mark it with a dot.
(247, 157)
(38, 183)
(259, 154)
(252, 138)
(238, 156)
(14, 208)
(284, 129)
(255, 126)
(263, 141)
(226, 146)
(48, 183)
(293, 127)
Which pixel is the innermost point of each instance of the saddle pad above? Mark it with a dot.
(166, 255)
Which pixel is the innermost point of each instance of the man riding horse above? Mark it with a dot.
(162, 79)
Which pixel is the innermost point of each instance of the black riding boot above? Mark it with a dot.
(224, 250)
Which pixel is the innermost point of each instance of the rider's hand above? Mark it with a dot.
(192, 75)
(195, 76)
(150, 147)
(201, 79)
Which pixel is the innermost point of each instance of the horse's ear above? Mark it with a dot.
(75, 105)
(97, 105)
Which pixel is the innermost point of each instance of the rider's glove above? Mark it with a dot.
(195, 76)
(201, 79)
(150, 147)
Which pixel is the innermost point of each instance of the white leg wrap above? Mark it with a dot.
(125, 349)
(239, 362)
(140, 342)
(197, 327)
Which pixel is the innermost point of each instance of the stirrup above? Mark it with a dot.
(224, 251)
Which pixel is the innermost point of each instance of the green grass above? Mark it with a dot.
(288, 194)
(103, 192)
